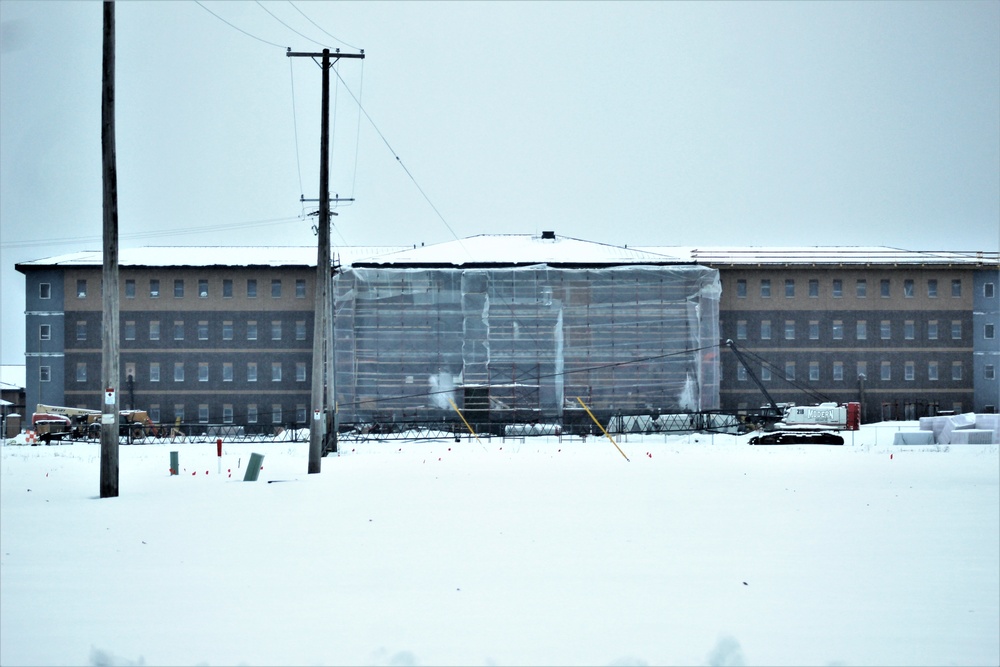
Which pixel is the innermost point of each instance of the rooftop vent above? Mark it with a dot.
(551, 236)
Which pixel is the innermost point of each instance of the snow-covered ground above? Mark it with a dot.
(698, 550)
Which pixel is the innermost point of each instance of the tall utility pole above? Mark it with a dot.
(320, 426)
(109, 286)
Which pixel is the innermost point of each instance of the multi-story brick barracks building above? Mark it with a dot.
(521, 327)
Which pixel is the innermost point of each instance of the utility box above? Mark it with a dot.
(253, 467)
(13, 425)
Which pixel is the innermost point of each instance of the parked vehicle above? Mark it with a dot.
(56, 422)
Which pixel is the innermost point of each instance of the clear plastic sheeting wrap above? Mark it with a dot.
(521, 344)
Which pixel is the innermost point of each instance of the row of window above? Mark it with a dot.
(861, 370)
(885, 330)
(932, 329)
(178, 330)
(860, 288)
(45, 289)
(253, 414)
(836, 288)
(179, 367)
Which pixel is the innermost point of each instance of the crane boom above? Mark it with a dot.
(775, 412)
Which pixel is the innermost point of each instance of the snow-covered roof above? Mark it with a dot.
(214, 256)
(522, 249)
(826, 255)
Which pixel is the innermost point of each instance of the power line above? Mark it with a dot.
(399, 160)
(295, 128)
(288, 26)
(321, 29)
(197, 2)
(357, 136)
(180, 231)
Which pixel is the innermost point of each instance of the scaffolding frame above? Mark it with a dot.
(524, 342)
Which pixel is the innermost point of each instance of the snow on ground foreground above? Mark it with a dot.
(698, 550)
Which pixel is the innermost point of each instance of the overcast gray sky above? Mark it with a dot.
(645, 123)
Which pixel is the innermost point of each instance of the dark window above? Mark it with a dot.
(179, 287)
(227, 288)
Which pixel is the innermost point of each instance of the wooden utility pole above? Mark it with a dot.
(320, 426)
(109, 286)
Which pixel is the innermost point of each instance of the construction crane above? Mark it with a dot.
(769, 414)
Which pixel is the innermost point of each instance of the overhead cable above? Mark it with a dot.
(288, 26)
(321, 29)
(197, 2)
